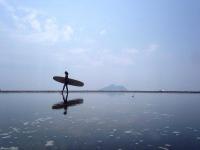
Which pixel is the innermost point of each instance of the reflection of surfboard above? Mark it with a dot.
(71, 81)
(68, 103)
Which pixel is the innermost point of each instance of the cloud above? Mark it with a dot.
(87, 57)
(103, 32)
(7, 6)
(68, 32)
(35, 26)
(120, 57)
(90, 58)
(31, 19)
(152, 47)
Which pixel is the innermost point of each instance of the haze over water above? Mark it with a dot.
(100, 121)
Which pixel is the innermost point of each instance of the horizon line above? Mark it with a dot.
(101, 91)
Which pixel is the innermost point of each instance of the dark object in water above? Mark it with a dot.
(67, 103)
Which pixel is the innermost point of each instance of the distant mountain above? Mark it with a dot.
(114, 87)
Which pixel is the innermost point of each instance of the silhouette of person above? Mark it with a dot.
(66, 83)
(65, 101)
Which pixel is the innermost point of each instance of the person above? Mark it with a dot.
(66, 83)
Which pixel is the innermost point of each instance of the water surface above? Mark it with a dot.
(100, 121)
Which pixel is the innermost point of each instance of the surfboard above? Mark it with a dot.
(71, 81)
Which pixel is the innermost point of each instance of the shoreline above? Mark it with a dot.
(98, 91)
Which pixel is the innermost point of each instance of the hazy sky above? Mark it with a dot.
(141, 44)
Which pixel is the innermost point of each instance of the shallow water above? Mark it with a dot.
(100, 121)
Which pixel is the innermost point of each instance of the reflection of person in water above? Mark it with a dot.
(64, 98)
(65, 101)
(66, 83)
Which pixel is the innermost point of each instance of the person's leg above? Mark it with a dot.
(67, 92)
(63, 97)
(63, 88)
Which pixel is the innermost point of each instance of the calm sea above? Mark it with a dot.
(99, 121)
